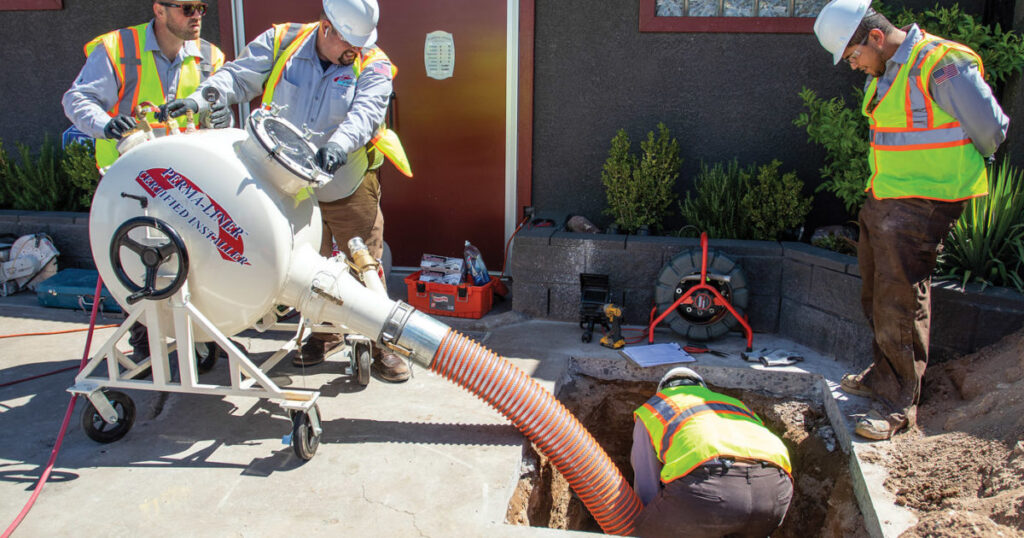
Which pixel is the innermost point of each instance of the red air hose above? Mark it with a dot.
(547, 423)
(63, 426)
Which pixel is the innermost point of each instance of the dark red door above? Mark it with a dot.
(453, 130)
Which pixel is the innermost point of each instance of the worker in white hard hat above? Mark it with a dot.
(934, 121)
(168, 58)
(704, 464)
(329, 76)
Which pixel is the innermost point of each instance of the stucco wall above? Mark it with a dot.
(721, 95)
(49, 55)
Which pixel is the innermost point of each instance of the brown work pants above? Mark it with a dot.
(358, 215)
(747, 500)
(896, 253)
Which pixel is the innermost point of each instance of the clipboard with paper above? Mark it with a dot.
(657, 354)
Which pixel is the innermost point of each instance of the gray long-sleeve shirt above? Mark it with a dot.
(333, 102)
(965, 96)
(95, 90)
(646, 467)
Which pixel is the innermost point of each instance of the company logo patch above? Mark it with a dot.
(344, 80)
(197, 210)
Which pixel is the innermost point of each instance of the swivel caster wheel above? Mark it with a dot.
(304, 439)
(361, 363)
(100, 430)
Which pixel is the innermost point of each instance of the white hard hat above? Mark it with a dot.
(680, 372)
(837, 23)
(355, 20)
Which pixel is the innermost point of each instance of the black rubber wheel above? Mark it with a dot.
(97, 429)
(304, 441)
(699, 319)
(207, 354)
(361, 364)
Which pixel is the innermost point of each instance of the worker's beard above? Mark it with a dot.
(187, 31)
(347, 58)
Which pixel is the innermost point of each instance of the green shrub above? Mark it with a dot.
(843, 132)
(1001, 52)
(715, 208)
(640, 190)
(773, 204)
(79, 166)
(50, 180)
(37, 182)
(836, 243)
(744, 203)
(986, 244)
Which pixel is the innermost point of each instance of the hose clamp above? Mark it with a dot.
(395, 323)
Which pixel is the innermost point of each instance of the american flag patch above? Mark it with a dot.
(382, 68)
(942, 75)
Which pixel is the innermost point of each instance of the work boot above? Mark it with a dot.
(138, 338)
(876, 427)
(854, 384)
(390, 367)
(314, 351)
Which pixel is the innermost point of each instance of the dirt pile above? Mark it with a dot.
(962, 469)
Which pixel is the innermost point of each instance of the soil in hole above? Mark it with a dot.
(823, 502)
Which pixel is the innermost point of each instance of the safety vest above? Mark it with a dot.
(288, 38)
(919, 150)
(138, 80)
(691, 425)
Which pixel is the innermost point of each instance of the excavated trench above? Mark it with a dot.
(823, 500)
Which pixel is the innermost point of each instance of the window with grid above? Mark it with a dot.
(740, 16)
(30, 5)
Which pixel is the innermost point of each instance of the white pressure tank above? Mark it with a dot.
(241, 202)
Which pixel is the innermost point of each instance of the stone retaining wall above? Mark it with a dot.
(69, 231)
(804, 293)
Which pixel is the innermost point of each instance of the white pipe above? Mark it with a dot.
(238, 27)
(511, 116)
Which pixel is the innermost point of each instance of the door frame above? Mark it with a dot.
(519, 36)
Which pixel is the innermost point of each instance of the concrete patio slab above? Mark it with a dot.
(422, 458)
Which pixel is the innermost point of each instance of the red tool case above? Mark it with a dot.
(461, 301)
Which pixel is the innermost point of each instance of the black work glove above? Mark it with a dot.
(220, 115)
(118, 126)
(176, 108)
(331, 157)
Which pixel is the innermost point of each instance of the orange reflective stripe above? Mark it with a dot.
(280, 61)
(913, 129)
(913, 147)
(138, 67)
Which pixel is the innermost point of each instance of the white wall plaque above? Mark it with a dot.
(439, 55)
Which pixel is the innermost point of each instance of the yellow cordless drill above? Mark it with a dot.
(614, 337)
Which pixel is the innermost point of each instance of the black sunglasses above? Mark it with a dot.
(187, 9)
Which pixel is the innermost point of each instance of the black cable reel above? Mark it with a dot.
(700, 319)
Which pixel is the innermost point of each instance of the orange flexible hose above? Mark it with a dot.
(547, 423)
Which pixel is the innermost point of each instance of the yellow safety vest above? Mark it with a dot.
(288, 38)
(138, 80)
(919, 150)
(691, 425)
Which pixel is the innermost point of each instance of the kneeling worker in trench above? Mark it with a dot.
(705, 465)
